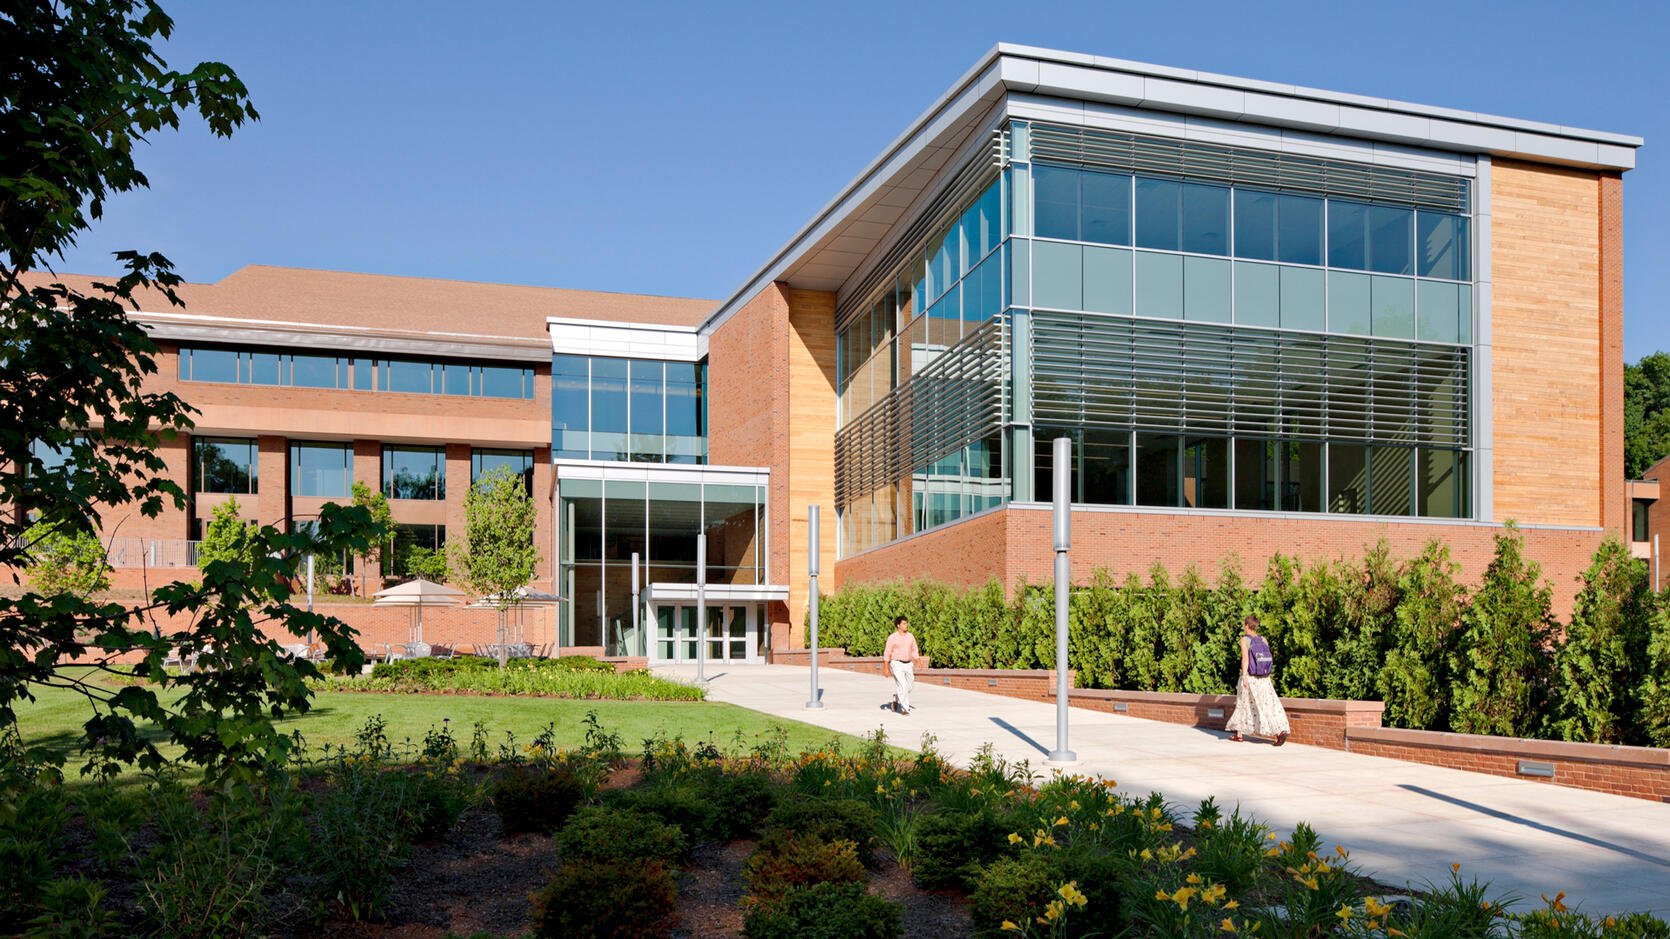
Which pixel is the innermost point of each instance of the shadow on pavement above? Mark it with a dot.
(1522, 820)
(1017, 732)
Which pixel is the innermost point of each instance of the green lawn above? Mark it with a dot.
(56, 717)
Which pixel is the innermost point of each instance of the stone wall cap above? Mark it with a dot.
(1324, 705)
(1515, 746)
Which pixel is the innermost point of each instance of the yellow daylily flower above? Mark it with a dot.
(1228, 925)
(1009, 926)
(1344, 913)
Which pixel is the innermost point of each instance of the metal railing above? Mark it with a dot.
(151, 552)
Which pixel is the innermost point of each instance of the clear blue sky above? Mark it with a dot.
(670, 148)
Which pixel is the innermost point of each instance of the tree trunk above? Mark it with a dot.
(504, 645)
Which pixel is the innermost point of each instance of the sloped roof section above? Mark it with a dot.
(259, 297)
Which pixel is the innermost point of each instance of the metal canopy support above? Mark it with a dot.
(701, 607)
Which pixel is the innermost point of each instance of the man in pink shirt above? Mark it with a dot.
(899, 655)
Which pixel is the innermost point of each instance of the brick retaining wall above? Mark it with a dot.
(1641, 772)
(1318, 722)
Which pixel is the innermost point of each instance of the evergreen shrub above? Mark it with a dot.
(1484, 658)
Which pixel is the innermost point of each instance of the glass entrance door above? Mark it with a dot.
(731, 633)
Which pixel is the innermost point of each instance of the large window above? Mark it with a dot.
(414, 472)
(321, 470)
(300, 370)
(424, 539)
(224, 464)
(517, 461)
(630, 410)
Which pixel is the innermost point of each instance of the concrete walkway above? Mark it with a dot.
(1402, 822)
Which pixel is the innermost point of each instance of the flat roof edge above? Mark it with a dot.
(1146, 70)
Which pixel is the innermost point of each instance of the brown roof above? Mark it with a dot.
(403, 304)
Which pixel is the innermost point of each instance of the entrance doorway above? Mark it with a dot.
(732, 633)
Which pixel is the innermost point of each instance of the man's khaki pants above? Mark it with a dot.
(904, 676)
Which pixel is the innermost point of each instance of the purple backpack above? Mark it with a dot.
(1259, 659)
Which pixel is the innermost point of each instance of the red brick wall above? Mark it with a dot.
(747, 410)
(1313, 721)
(967, 553)
(1658, 517)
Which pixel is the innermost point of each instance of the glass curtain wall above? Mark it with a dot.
(1379, 258)
(929, 342)
(601, 523)
(1232, 254)
(630, 410)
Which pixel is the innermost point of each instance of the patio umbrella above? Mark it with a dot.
(418, 594)
(521, 598)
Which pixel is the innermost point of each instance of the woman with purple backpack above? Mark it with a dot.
(1257, 709)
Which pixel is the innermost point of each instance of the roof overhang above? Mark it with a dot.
(626, 340)
(718, 593)
(1072, 88)
(180, 327)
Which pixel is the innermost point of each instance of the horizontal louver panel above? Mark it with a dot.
(1159, 156)
(956, 400)
(1202, 378)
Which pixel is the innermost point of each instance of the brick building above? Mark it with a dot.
(1270, 318)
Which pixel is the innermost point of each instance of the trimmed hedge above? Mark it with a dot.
(1486, 658)
(567, 677)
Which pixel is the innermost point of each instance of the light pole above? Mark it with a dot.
(1063, 518)
(701, 607)
(310, 594)
(816, 701)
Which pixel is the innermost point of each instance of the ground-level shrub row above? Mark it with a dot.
(1488, 658)
(1063, 856)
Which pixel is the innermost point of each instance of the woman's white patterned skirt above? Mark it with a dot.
(1258, 710)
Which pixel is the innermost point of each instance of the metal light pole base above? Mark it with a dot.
(814, 705)
(1062, 758)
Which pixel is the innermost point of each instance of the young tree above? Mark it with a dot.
(85, 85)
(382, 517)
(1598, 666)
(1499, 665)
(498, 555)
(72, 563)
(1413, 681)
(229, 538)
(1652, 692)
